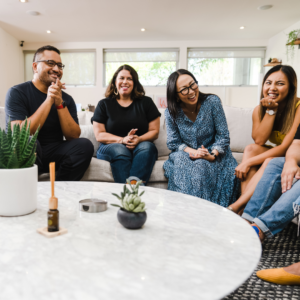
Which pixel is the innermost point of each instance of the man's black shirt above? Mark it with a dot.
(24, 99)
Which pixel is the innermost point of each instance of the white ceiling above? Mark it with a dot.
(164, 20)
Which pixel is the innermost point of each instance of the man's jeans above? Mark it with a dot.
(271, 210)
(138, 162)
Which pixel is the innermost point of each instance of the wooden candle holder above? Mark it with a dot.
(44, 231)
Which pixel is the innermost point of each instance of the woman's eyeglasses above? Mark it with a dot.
(186, 90)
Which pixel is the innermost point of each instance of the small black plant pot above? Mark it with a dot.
(131, 220)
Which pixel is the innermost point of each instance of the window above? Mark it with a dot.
(234, 66)
(80, 67)
(153, 66)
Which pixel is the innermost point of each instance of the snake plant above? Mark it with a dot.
(17, 150)
(131, 200)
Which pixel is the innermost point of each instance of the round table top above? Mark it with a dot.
(189, 248)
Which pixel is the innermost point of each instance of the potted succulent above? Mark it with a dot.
(18, 174)
(132, 214)
(293, 39)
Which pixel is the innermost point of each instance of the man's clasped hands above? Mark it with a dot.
(54, 92)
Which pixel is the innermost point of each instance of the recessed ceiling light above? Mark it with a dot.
(242, 27)
(33, 13)
(23, 1)
(143, 29)
(48, 31)
(265, 7)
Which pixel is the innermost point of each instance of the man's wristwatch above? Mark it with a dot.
(271, 112)
(62, 105)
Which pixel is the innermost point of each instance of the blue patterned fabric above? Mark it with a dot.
(213, 181)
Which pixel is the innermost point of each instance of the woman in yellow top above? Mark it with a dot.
(276, 119)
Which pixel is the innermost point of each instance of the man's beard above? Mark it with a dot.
(46, 79)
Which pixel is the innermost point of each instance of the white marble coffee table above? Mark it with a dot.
(188, 249)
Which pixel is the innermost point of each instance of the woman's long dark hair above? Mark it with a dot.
(285, 123)
(172, 95)
(138, 90)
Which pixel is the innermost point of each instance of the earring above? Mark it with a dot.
(116, 93)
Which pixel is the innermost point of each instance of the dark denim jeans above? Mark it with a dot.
(138, 162)
(271, 210)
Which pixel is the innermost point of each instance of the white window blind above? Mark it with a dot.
(226, 66)
(152, 65)
(80, 67)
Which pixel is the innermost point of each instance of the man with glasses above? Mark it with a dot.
(46, 106)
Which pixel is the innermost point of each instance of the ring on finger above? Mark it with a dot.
(269, 103)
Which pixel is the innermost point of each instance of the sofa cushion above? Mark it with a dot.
(100, 170)
(84, 117)
(88, 132)
(238, 156)
(161, 142)
(239, 122)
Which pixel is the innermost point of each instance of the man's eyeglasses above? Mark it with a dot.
(186, 90)
(52, 63)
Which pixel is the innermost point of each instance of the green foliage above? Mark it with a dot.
(16, 151)
(131, 200)
(150, 73)
(292, 36)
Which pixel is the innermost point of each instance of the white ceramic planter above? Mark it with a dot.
(18, 191)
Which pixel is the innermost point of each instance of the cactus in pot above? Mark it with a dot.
(132, 214)
(15, 150)
(18, 173)
(131, 200)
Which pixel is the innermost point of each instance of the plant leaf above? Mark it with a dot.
(142, 193)
(13, 162)
(2, 159)
(126, 206)
(117, 196)
(29, 148)
(127, 180)
(2, 166)
(116, 205)
(15, 137)
(30, 162)
(9, 132)
(5, 147)
(24, 136)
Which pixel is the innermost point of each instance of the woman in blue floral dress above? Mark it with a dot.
(201, 163)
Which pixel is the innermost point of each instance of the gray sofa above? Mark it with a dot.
(239, 123)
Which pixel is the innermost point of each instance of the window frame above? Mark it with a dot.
(71, 51)
(137, 50)
(264, 49)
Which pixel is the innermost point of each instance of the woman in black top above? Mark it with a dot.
(126, 123)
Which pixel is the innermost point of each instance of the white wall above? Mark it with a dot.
(277, 49)
(234, 96)
(11, 63)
